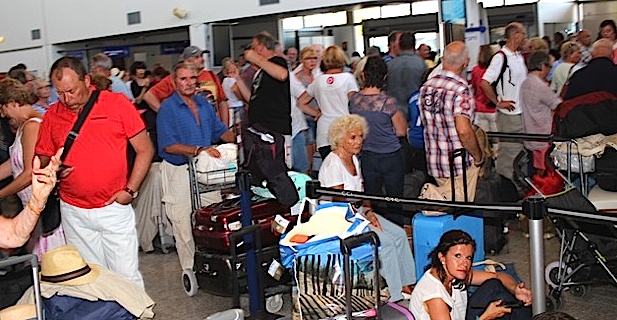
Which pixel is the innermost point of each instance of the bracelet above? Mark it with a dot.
(34, 209)
(196, 150)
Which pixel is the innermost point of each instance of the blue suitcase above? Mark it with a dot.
(428, 229)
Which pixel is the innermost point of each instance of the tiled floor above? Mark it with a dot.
(162, 276)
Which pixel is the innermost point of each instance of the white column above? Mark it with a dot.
(199, 35)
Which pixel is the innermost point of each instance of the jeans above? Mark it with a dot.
(492, 290)
(385, 171)
(299, 160)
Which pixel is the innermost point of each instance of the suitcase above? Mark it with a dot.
(606, 170)
(214, 223)
(427, 231)
(386, 311)
(214, 273)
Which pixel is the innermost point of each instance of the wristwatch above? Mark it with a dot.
(133, 194)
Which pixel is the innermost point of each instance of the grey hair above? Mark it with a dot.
(183, 65)
(101, 60)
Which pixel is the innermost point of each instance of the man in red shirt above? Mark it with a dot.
(208, 85)
(97, 189)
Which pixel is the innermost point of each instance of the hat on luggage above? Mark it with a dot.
(19, 312)
(64, 265)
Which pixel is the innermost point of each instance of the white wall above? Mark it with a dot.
(35, 59)
(594, 13)
(71, 20)
(549, 12)
(17, 20)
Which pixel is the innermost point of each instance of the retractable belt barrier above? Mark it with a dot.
(534, 208)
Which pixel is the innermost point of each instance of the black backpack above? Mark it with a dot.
(500, 77)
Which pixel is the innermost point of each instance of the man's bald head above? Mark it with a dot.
(455, 57)
(602, 48)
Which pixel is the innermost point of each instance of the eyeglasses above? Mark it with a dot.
(311, 58)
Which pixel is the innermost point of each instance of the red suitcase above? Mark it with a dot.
(215, 222)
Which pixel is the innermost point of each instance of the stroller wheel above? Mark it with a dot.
(189, 282)
(553, 303)
(274, 303)
(551, 274)
(579, 290)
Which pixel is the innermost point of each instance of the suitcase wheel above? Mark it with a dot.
(189, 282)
(274, 303)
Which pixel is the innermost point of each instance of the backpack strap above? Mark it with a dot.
(504, 65)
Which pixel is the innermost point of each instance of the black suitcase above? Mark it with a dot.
(606, 170)
(214, 273)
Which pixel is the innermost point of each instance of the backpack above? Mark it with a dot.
(500, 77)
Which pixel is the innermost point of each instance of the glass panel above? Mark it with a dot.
(395, 10)
(428, 38)
(381, 42)
(365, 14)
(424, 7)
(359, 39)
(325, 19)
(293, 23)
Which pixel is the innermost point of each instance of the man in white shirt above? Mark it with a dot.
(506, 95)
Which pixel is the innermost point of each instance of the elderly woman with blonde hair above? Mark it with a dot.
(571, 56)
(341, 170)
(332, 90)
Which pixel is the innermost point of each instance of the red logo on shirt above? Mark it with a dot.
(330, 80)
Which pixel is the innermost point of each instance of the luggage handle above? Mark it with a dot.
(347, 245)
(34, 263)
(461, 152)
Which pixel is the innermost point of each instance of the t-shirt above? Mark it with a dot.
(333, 173)
(176, 123)
(415, 133)
(270, 104)
(513, 76)
(429, 288)
(562, 73)
(537, 101)
(98, 156)
(208, 86)
(233, 101)
(378, 110)
(405, 77)
(331, 92)
(298, 120)
(482, 102)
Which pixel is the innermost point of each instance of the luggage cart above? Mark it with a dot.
(33, 261)
(272, 290)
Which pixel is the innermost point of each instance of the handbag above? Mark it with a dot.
(461, 187)
(50, 216)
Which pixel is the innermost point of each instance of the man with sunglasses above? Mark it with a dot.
(506, 95)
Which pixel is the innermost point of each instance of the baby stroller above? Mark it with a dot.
(588, 249)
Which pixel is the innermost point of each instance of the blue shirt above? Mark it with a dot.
(415, 133)
(175, 123)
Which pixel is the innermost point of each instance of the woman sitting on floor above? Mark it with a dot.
(442, 292)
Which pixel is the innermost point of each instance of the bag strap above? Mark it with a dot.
(70, 139)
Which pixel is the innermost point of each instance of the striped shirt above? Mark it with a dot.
(442, 98)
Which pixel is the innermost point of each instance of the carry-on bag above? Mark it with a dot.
(386, 311)
(606, 170)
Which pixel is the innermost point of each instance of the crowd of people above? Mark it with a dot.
(359, 115)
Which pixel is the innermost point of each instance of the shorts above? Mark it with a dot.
(310, 133)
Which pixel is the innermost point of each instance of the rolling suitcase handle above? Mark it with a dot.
(35, 278)
(347, 245)
(451, 156)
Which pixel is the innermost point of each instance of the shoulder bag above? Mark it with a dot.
(50, 216)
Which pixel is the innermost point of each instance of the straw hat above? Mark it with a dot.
(19, 312)
(65, 266)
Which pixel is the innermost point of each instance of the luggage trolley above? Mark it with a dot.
(222, 265)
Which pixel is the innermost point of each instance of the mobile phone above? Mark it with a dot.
(513, 304)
